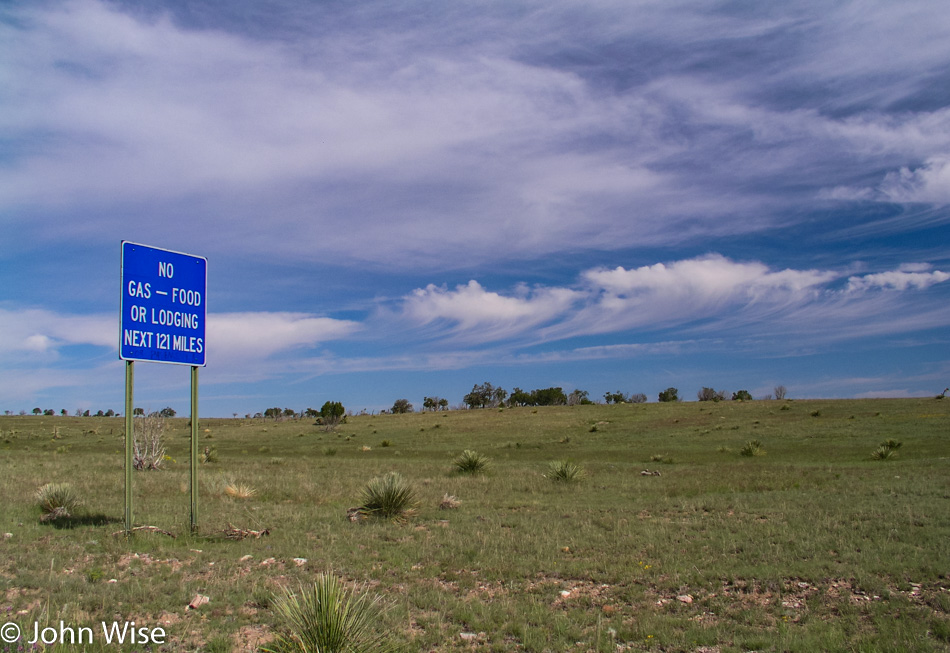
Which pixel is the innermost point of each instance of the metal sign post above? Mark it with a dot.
(162, 320)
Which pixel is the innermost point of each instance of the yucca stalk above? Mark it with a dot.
(389, 497)
(325, 617)
(57, 501)
(470, 462)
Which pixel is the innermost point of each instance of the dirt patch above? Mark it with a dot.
(249, 639)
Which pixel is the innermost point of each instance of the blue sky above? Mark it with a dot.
(405, 199)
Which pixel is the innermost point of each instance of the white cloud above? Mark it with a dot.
(708, 288)
(230, 335)
(43, 331)
(711, 277)
(896, 280)
(242, 336)
(483, 315)
(929, 183)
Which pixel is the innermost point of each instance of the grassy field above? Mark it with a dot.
(812, 546)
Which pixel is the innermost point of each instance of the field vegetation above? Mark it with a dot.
(669, 540)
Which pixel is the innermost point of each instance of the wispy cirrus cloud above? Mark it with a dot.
(484, 139)
(700, 294)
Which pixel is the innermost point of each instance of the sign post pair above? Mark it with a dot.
(163, 310)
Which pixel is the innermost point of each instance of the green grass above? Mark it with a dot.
(815, 546)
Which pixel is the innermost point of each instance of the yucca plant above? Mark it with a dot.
(752, 448)
(325, 617)
(564, 471)
(886, 450)
(57, 501)
(390, 497)
(470, 462)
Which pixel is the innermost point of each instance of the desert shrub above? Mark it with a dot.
(148, 442)
(449, 502)
(564, 471)
(389, 497)
(752, 448)
(470, 462)
(239, 490)
(57, 501)
(325, 617)
(210, 455)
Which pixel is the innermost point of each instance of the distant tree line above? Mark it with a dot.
(484, 395)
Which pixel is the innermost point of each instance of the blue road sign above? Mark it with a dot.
(163, 306)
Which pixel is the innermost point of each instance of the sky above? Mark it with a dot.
(400, 200)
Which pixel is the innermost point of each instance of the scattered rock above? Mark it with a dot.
(300, 561)
(268, 562)
(7, 536)
(198, 601)
(685, 598)
(647, 472)
(246, 558)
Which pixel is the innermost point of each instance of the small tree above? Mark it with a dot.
(331, 414)
(615, 397)
(485, 396)
(709, 394)
(670, 394)
(578, 397)
(519, 397)
(401, 406)
(37, 411)
(779, 392)
(742, 395)
(167, 411)
(638, 398)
